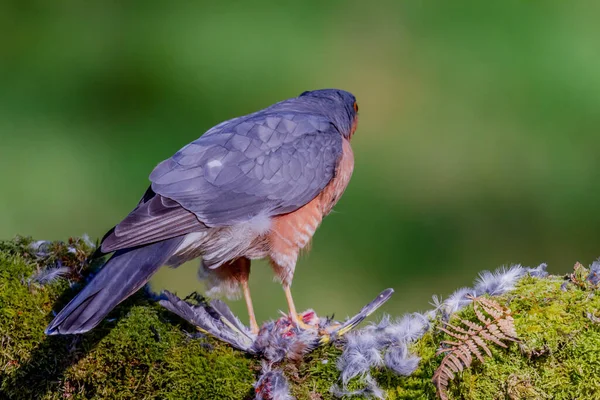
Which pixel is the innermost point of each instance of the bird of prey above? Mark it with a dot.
(252, 187)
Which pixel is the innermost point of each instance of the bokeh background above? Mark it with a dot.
(478, 142)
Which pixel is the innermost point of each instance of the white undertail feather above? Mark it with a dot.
(260, 224)
(219, 245)
(191, 241)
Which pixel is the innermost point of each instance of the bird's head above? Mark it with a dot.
(338, 105)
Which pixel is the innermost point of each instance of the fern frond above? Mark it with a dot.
(495, 324)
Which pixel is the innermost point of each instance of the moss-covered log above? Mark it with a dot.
(142, 351)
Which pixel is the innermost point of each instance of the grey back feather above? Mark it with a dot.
(268, 163)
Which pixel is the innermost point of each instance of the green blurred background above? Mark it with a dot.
(478, 141)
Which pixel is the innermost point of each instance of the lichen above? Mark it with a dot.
(143, 351)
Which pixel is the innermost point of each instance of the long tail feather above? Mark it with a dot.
(124, 273)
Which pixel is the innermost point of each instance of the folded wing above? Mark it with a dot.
(264, 164)
(155, 218)
(268, 164)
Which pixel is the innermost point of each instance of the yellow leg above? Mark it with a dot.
(253, 324)
(293, 314)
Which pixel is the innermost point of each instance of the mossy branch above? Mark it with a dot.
(143, 351)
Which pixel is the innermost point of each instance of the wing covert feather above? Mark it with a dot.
(267, 164)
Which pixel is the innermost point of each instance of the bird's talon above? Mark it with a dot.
(297, 320)
(301, 325)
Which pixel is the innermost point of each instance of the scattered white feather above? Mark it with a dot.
(539, 271)
(40, 248)
(407, 328)
(272, 385)
(457, 300)
(361, 353)
(50, 274)
(400, 360)
(86, 239)
(382, 344)
(594, 275)
(498, 282)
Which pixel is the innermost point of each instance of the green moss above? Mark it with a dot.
(557, 356)
(315, 376)
(142, 351)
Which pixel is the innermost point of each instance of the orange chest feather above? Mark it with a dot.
(334, 190)
(293, 231)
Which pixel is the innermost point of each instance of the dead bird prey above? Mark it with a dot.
(277, 340)
(256, 186)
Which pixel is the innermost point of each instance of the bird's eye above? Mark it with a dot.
(355, 107)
